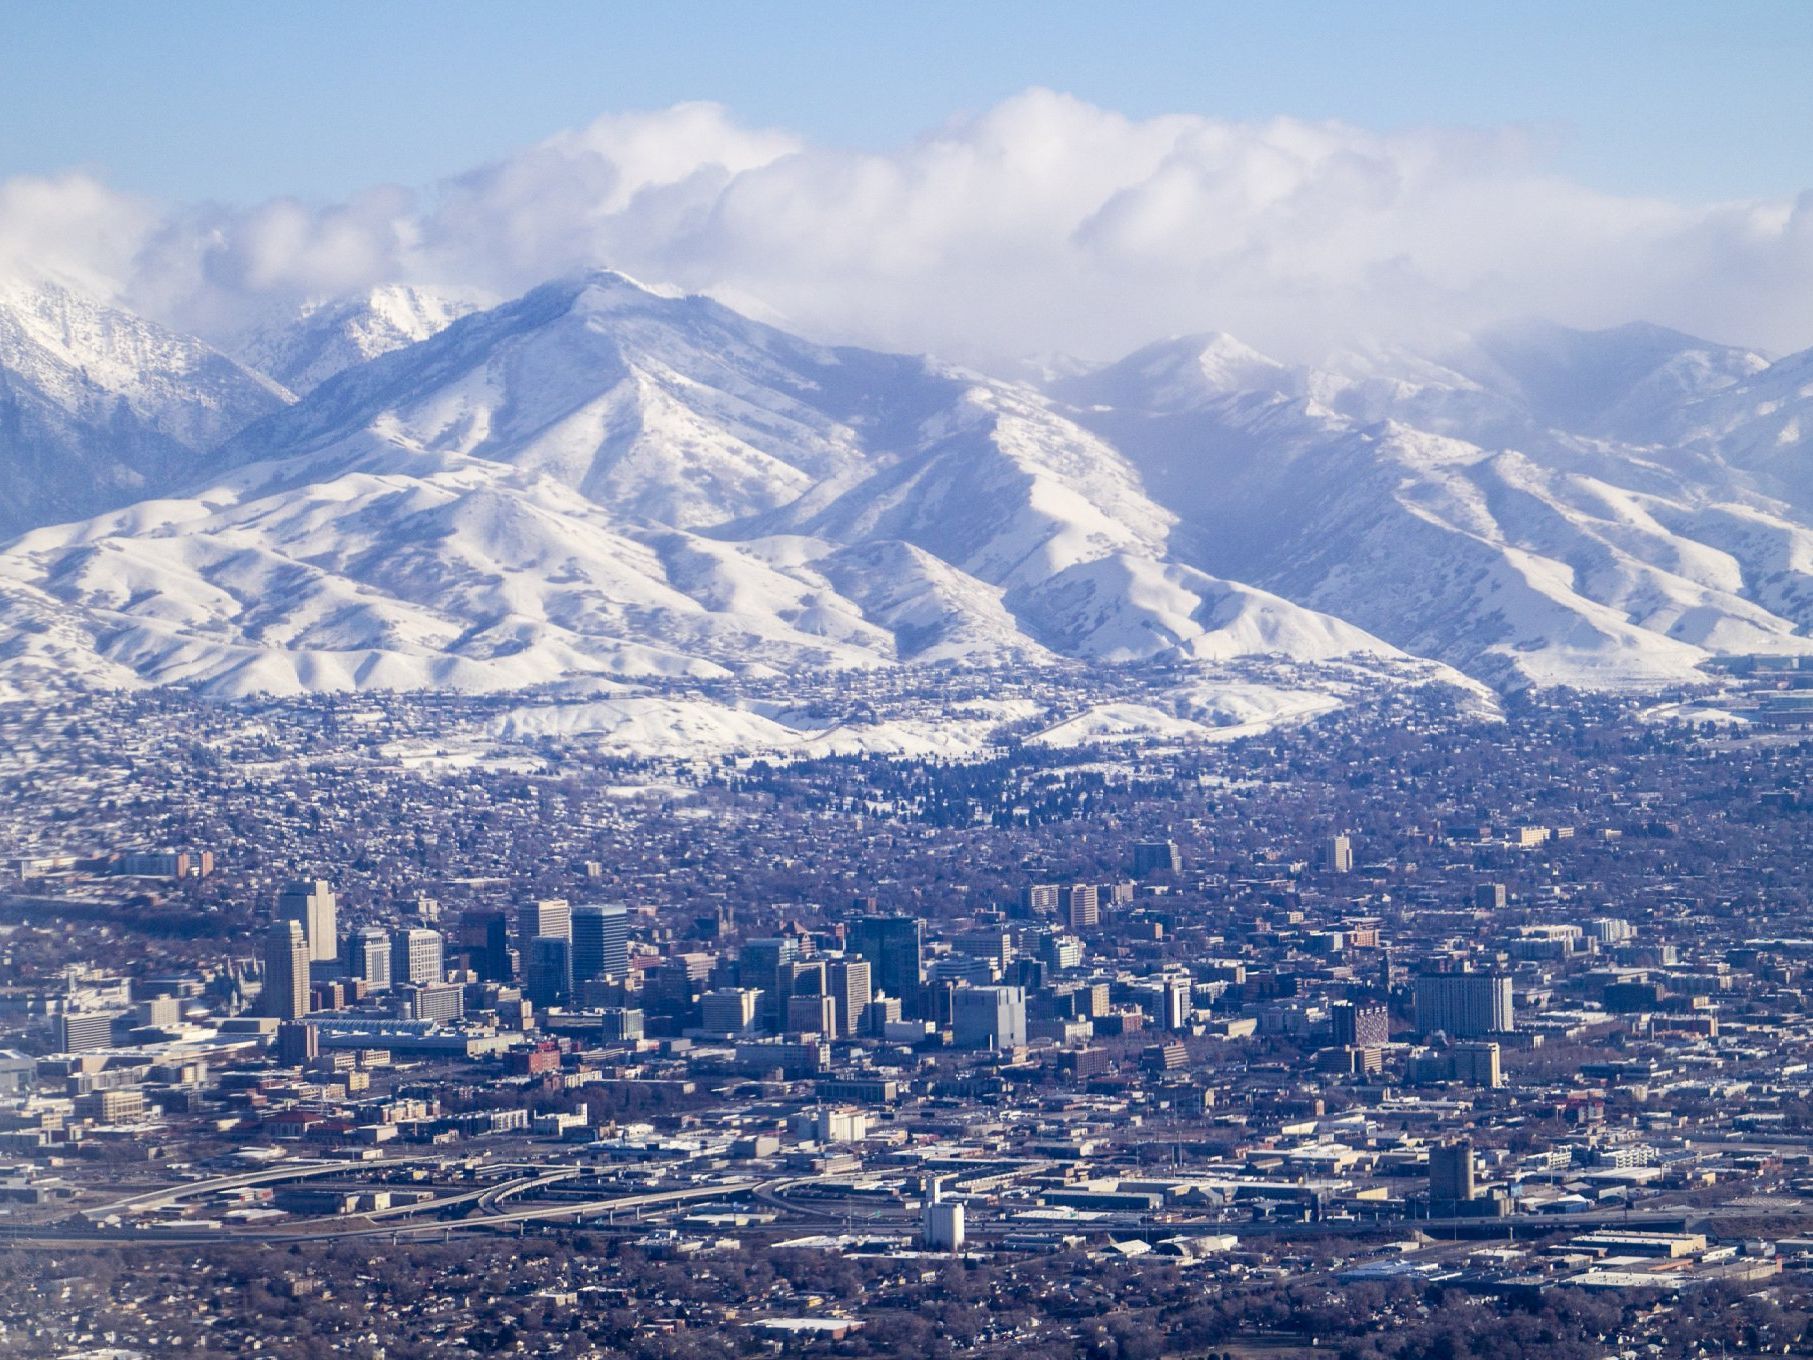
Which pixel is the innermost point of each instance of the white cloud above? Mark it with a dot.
(1044, 224)
(73, 227)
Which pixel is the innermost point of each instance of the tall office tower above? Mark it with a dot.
(368, 956)
(989, 1017)
(158, 1012)
(547, 970)
(1451, 1172)
(1156, 857)
(1464, 1005)
(1039, 899)
(601, 941)
(669, 991)
(894, 947)
(1353, 1025)
(417, 956)
(1179, 1005)
(1081, 906)
(760, 965)
(729, 1010)
(812, 1015)
(443, 1001)
(800, 977)
(1337, 855)
(286, 971)
(85, 1031)
(848, 981)
(484, 938)
(961, 968)
(551, 916)
(310, 903)
(1489, 896)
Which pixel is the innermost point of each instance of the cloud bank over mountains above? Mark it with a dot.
(1041, 226)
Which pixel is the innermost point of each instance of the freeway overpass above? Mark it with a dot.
(322, 1230)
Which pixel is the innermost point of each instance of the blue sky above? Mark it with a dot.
(237, 102)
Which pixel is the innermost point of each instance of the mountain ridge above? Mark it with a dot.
(602, 479)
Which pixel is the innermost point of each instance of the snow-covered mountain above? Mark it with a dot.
(325, 336)
(606, 480)
(99, 407)
(1762, 425)
(674, 409)
(602, 479)
(1517, 508)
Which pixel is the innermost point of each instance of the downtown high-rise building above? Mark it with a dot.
(894, 947)
(764, 965)
(417, 955)
(548, 971)
(1081, 906)
(310, 903)
(988, 1017)
(368, 956)
(298, 1042)
(1464, 1005)
(601, 941)
(484, 938)
(1355, 1024)
(1177, 1003)
(286, 960)
(551, 916)
(799, 978)
(850, 984)
(730, 1010)
(1451, 1178)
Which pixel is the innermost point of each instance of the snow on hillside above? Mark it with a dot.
(513, 501)
(669, 409)
(1216, 707)
(99, 407)
(1569, 559)
(600, 480)
(666, 726)
(326, 336)
(1762, 426)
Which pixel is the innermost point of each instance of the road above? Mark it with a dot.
(499, 1205)
(320, 1230)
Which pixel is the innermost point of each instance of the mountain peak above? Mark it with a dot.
(601, 289)
(305, 346)
(1180, 373)
(99, 407)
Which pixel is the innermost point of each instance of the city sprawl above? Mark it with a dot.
(373, 1025)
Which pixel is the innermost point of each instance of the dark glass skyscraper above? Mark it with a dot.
(485, 939)
(893, 945)
(548, 971)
